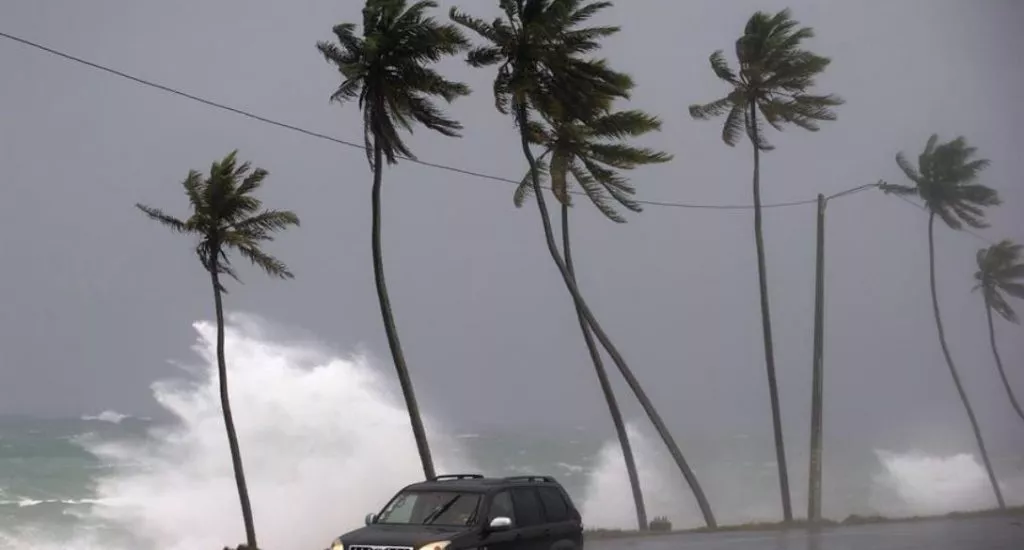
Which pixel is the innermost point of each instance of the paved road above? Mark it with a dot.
(963, 534)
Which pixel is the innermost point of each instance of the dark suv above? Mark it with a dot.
(464, 512)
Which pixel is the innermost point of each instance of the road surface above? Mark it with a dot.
(991, 533)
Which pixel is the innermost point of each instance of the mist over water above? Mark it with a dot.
(324, 441)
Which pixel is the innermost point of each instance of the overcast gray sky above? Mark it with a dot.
(96, 299)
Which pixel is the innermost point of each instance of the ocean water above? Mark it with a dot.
(115, 482)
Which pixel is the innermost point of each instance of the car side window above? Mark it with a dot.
(501, 506)
(555, 508)
(527, 506)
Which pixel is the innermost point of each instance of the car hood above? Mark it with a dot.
(400, 535)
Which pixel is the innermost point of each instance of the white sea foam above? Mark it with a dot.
(112, 417)
(919, 484)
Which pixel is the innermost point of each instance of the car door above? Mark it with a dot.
(561, 529)
(533, 533)
(510, 539)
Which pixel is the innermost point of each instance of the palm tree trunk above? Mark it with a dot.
(389, 322)
(766, 325)
(225, 405)
(999, 361)
(952, 367)
(581, 306)
(606, 388)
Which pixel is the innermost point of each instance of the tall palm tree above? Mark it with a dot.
(945, 179)
(226, 217)
(592, 154)
(774, 77)
(388, 70)
(1001, 270)
(539, 47)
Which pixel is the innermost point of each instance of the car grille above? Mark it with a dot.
(377, 547)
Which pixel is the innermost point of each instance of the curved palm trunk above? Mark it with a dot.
(229, 423)
(766, 325)
(588, 316)
(389, 323)
(952, 367)
(999, 362)
(606, 388)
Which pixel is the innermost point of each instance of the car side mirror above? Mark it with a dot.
(371, 518)
(500, 523)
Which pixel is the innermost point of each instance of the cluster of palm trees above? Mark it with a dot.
(560, 96)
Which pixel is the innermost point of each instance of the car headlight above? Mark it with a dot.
(337, 545)
(439, 545)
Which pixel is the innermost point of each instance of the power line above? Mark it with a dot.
(319, 135)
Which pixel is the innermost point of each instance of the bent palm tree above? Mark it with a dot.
(227, 217)
(539, 47)
(945, 179)
(593, 154)
(772, 82)
(388, 70)
(1000, 270)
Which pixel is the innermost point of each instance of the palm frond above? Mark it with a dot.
(774, 74)
(897, 189)
(626, 157)
(264, 224)
(998, 303)
(721, 67)
(622, 124)
(711, 110)
(477, 25)
(166, 219)
(540, 48)
(525, 188)
(269, 264)
(755, 131)
(908, 170)
(734, 125)
(1001, 271)
(387, 69)
(1013, 289)
(225, 216)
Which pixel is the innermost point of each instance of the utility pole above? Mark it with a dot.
(814, 484)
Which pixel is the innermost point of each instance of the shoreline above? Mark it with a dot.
(802, 524)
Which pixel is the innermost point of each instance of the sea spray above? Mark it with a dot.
(916, 483)
(325, 439)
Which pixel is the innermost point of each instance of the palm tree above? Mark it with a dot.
(388, 70)
(593, 154)
(774, 76)
(945, 179)
(539, 48)
(227, 217)
(1000, 270)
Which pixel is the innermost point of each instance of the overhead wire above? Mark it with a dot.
(320, 135)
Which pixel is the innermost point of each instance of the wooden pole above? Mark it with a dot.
(814, 484)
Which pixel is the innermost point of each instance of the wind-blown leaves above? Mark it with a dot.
(945, 180)
(539, 48)
(771, 83)
(387, 70)
(226, 216)
(1001, 272)
(593, 154)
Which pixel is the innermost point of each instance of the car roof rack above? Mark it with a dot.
(457, 477)
(544, 479)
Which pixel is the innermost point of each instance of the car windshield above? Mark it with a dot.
(452, 508)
